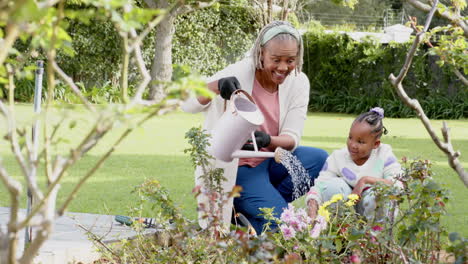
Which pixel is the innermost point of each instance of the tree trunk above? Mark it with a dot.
(161, 67)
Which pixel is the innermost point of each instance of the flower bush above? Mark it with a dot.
(410, 233)
(328, 238)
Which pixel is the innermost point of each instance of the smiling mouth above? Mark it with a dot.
(280, 75)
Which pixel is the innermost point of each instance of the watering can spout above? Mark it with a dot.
(277, 155)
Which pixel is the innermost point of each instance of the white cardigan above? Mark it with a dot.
(293, 102)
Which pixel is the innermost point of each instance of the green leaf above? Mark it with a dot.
(28, 11)
(338, 245)
(355, 234)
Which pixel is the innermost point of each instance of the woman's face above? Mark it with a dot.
(279, 59)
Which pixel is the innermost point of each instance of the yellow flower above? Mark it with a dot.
(326, 204)
(353, 197)
(336, 198)
(349, 203)
(324, 212)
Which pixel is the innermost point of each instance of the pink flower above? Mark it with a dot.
(377, 228)
(318, 227)
(294, 223)
(315, 232)
(288, 214)
(355, 259)
(288, 232)
(301, 214)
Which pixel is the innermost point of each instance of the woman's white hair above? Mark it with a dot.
(257, 48)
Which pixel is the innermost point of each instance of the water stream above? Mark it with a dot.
(300, 177)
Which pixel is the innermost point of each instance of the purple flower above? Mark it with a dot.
(301, 214)
(377, 228)
(355, 259)
(288, 232)
(315, 232)
(288, 214)
(318, 227)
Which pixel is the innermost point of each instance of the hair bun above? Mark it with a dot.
(378, 110)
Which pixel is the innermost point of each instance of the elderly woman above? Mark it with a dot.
(272, 75)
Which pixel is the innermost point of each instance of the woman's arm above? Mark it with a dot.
(284, 141)
(212, 86)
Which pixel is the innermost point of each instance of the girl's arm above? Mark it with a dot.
(368, 180)
(328, 174)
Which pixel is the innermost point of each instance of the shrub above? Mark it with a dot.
(337, 235)
(351, 77)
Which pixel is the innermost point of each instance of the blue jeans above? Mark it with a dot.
(270, 185)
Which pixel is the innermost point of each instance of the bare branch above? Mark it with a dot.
(47, 3)
(460, 76)
(12, 33)
(137, 98)
(40, 238)
(458, 20)
(61, 165)
(153, 23)
(99, 241)
(73, 86)
(446, 146)
(13, 186)
(12, 138)
(72, 195)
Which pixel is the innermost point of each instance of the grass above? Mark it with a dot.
(156, 150)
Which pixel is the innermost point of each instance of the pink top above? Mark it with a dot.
(268, 103)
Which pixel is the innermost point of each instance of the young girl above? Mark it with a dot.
(357, 167)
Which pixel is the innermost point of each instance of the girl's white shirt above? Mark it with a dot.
(382, 164)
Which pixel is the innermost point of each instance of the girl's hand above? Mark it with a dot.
(360, 185)
(367, 180)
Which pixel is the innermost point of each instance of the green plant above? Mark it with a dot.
(340, 235)
(351, 77)
(458, 248)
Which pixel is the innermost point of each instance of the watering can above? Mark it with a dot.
(237, 124)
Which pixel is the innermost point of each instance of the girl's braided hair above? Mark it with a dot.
(374, 119)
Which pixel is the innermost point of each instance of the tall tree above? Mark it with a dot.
(161, 67)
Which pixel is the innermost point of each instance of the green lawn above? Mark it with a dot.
(157, 151)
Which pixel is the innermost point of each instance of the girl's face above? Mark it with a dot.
(361, 142)
(279, 59)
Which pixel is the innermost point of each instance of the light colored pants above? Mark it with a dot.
(365, 207)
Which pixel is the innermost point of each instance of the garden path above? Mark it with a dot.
(69, 242)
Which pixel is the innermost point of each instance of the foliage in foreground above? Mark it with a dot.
(339, 235)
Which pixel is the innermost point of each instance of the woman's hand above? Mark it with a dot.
(227, 86)
(262, 140)
(224, 87)
(312, 208)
